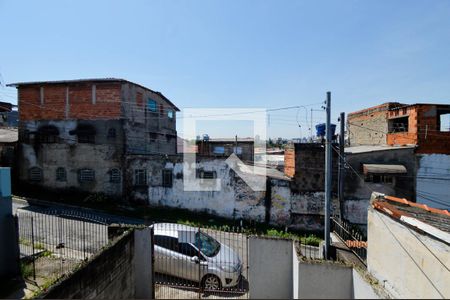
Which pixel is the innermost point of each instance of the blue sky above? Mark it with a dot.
(266, 54)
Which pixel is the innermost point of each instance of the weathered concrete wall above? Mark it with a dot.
(234, 200)
(410, 264)
(270, 272)
(324, 280)
(433, 173)
(148, 132)
(102, 156)
(329, 280)
(369, 126)
(358, 191)
(109, 275)
(355, 211)
(361, 288)
(309, 174)
(143, 264)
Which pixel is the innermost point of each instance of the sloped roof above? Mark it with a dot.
(433, 221)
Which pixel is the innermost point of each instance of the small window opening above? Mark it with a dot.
(398, 125)
(167, 178)
(61, 174)
(86, 175)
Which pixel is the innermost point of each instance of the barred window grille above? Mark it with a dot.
(86, 175)
(114, 175)
(207, 174)
(35, 174)
(140, 177)
(61, 174)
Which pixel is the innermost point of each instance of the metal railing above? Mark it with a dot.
(54, 242)
(351, 238)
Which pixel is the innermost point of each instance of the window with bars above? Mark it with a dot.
(167, 178)
(48, 134)
(35, 174)
(206, 174)
(114, 175)
(86, 175)
(61, 174)
(140, 177)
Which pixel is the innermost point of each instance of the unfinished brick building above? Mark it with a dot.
(78, 134)
(392, 126)
(397, 124)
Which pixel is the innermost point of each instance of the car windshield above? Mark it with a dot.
(208, 246)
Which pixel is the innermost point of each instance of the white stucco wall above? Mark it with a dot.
(361, 288)
(407, 263)
(270, 268)
(234, 199)
(433, 180)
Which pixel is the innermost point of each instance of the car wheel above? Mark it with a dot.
(211, 282)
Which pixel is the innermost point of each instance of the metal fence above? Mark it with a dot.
(352, 238)
(192, 262)
(54, 242)
(308, 251)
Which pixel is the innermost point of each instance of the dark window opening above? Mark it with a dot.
(380, 178)
(111, 133)
(114, 175)
(206, 174)
(35, 174)
(86, 175)
(85, 134)
(140, 177)
(398, 125)
(48, 134)
(61, 174)
(153, 136)
(167, 178)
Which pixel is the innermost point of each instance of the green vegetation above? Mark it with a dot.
(24, 242)
(26, 269)
(39, 246)
(311, 239)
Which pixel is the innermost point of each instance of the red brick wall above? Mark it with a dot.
(107, 105)
(289, 162)
(139, 99)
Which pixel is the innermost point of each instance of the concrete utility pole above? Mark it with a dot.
(341, 170)
(328, 177)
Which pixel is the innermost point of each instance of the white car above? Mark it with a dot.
(182, 251)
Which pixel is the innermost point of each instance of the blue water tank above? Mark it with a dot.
(320, 129)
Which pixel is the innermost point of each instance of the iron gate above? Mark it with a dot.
(192, 262)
